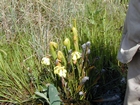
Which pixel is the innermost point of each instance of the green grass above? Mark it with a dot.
(19, 71)
(27, 27)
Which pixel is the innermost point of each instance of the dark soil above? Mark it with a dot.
(110, 90)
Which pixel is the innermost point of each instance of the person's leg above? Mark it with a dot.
(132, 96)
(126, 96)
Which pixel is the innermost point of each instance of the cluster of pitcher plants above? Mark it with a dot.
(68, 69)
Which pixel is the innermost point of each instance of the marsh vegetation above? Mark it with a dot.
(27, 29)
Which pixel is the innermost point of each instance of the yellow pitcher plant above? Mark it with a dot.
(69, 66)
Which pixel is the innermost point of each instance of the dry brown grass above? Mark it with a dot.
(38, 18)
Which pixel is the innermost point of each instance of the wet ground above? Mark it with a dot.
(111, 97)
(110, 90)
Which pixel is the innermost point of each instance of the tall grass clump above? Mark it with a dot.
(19, 71)
(103, 25)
